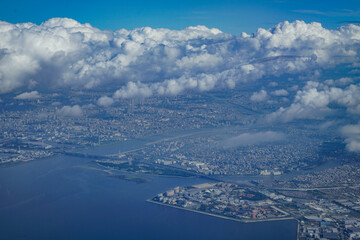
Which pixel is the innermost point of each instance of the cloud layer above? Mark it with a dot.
(143, 62)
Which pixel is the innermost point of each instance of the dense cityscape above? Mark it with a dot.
(295, 184)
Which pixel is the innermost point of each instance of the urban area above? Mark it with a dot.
(298, 174)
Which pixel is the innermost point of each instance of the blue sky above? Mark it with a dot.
(229, 16)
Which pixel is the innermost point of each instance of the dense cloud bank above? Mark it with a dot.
(64, 53)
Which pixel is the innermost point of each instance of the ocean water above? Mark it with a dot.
(57, 198)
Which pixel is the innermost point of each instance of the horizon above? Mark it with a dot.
(240, 34)
(233, 17)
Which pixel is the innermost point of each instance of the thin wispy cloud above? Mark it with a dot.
(309, 11)
(336, 13)
(349, 22)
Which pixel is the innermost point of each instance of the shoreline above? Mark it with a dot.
(223, 217)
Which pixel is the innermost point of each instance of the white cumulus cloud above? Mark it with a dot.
(62, 52)
(259, 96)
(70, 111)
(28, 95)
(316, 100)
(352, 137)
(105, 101)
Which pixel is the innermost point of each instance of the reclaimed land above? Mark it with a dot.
(224, 217)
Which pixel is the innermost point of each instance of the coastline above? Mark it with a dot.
(224, 217)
